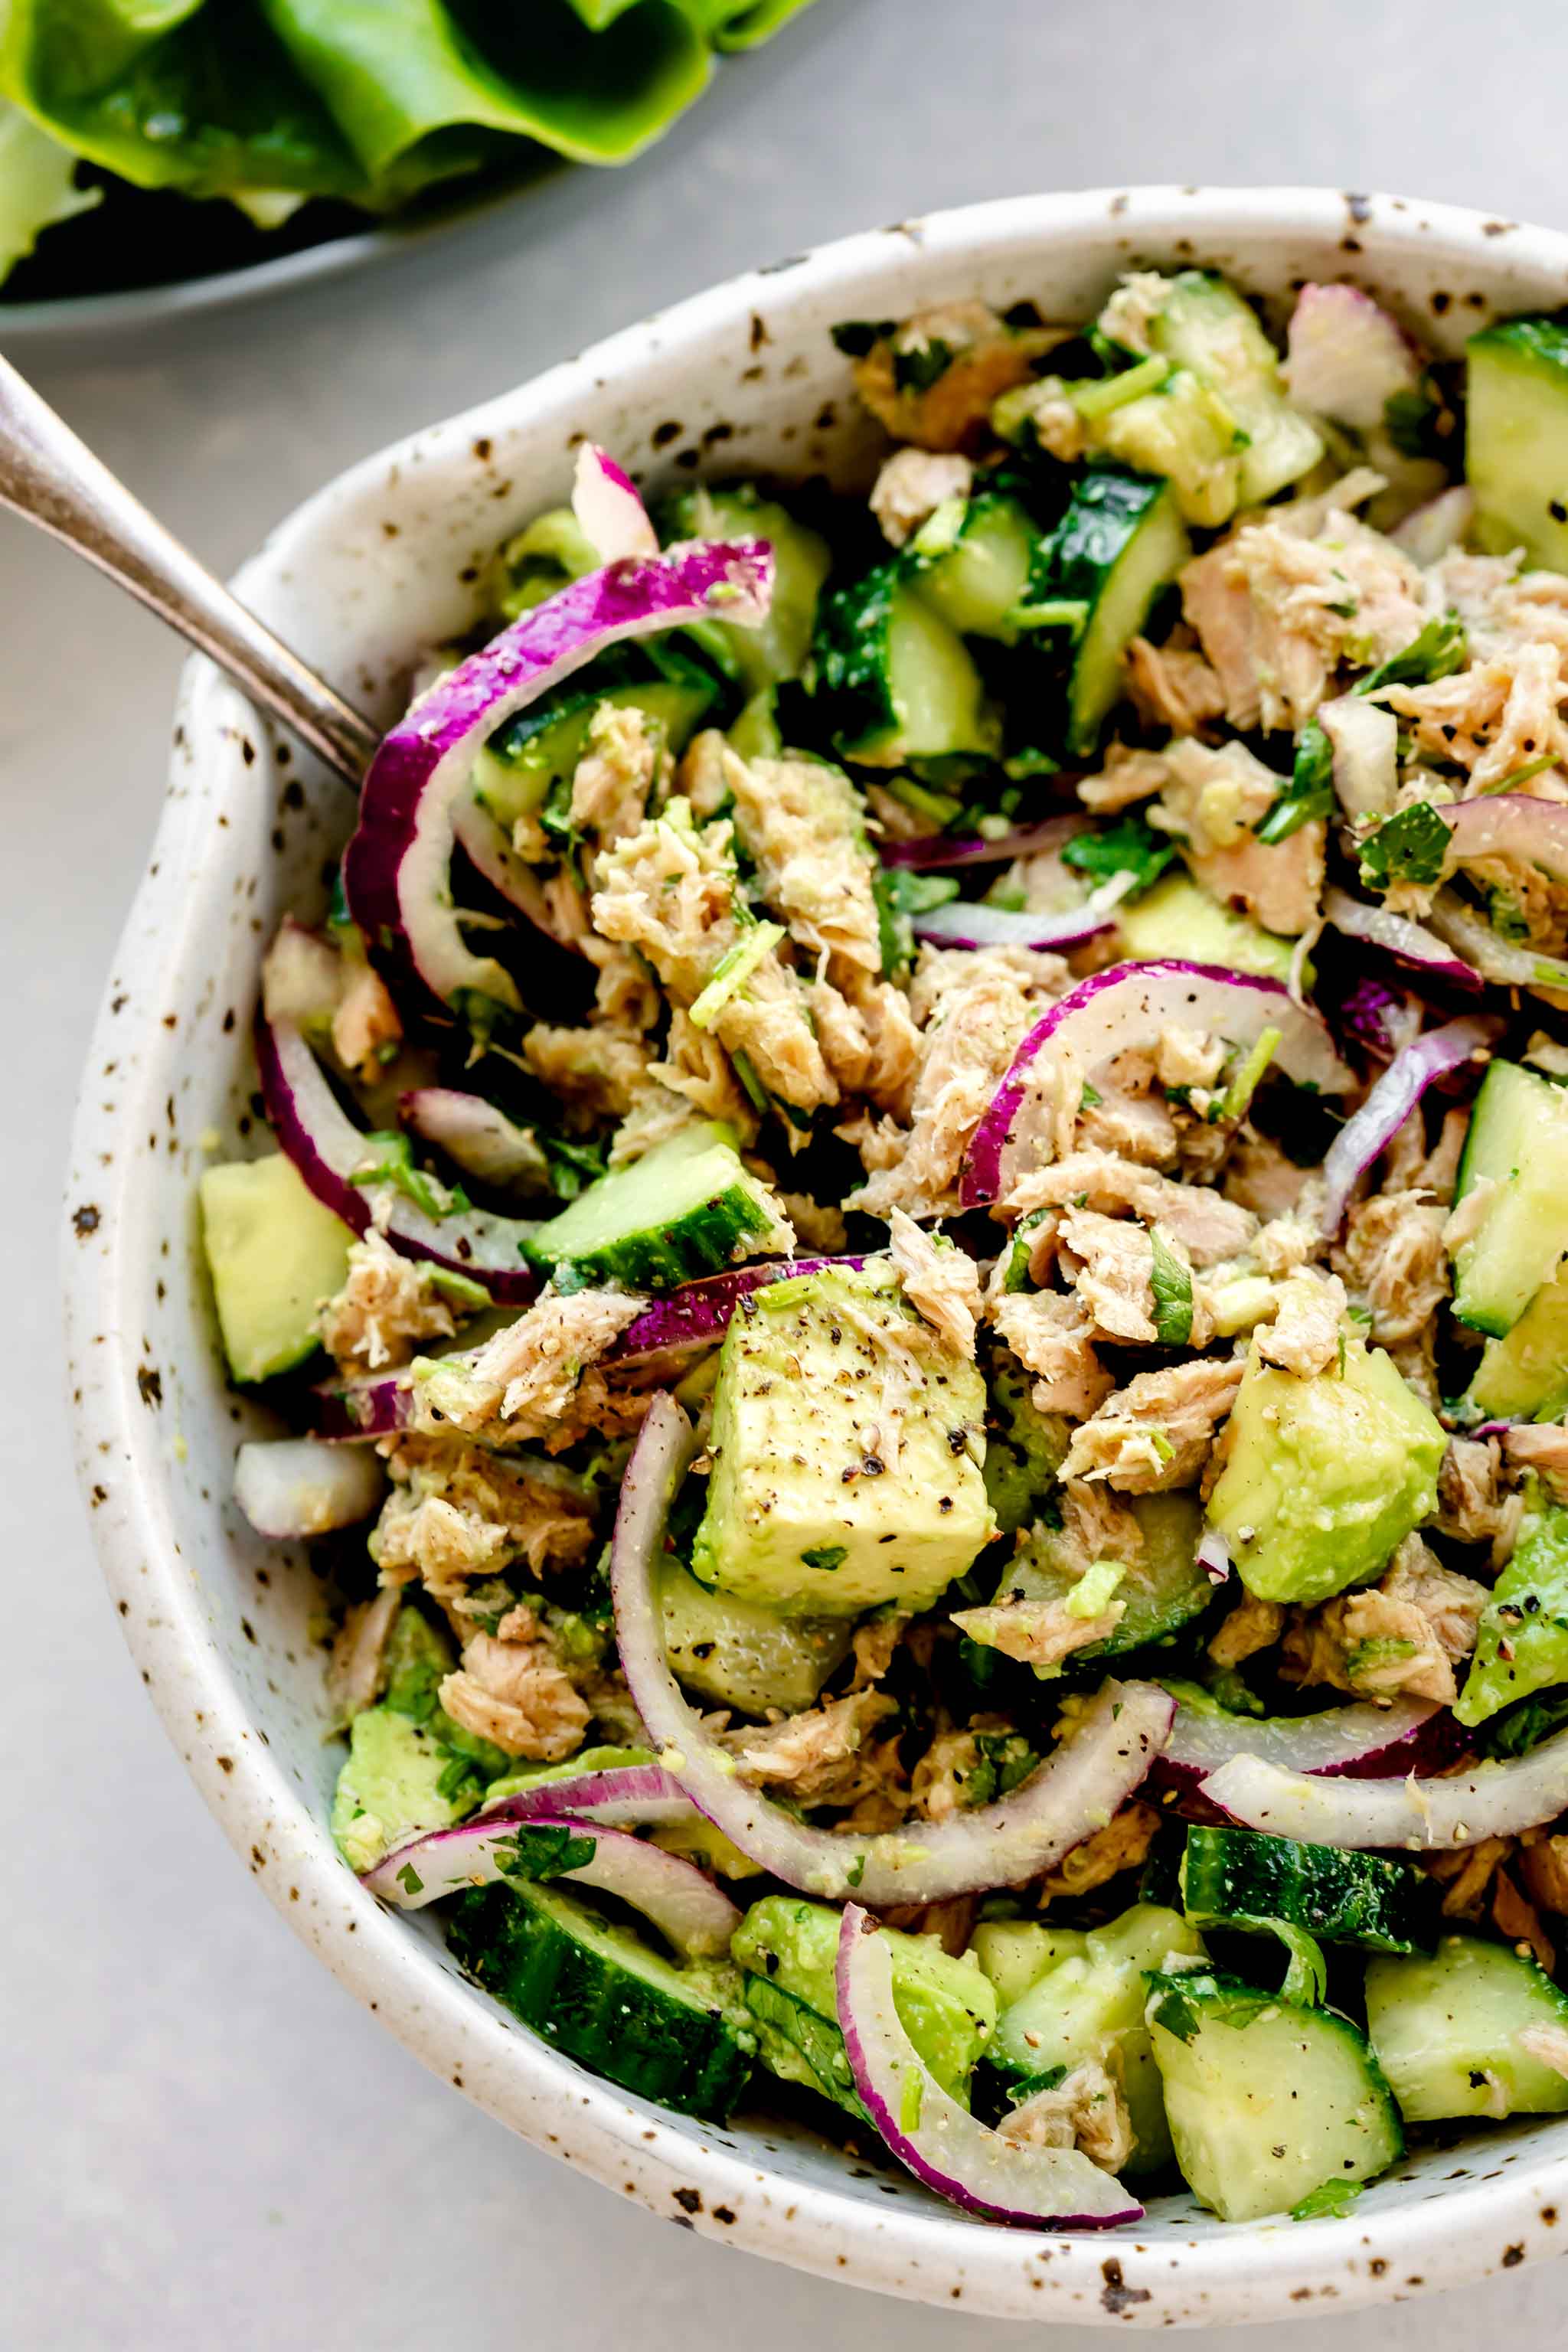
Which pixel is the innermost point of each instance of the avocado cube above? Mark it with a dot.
(1323, 1476)
(848, 1445)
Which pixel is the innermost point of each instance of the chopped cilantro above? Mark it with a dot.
(1440, 649)
(544, 1853)
(1029, 2086)
(1308, 792)
(1171, 1280)
(389, 1160)
(571, 1165)
(856, 338)
(1411, 847)
(825, 1555)
(1132, 846)
(1334, 2199)
(916, 370)
(408, 1878)
(901, 895)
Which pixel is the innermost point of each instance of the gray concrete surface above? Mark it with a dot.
(206, 2143)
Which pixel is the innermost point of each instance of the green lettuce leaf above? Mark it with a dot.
(37, 185)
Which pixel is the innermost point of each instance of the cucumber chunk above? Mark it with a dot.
(1089, 2003)
(1267, 2101)
(1205, 326)
(1016, 1953)
(946, 2006)
(1521, 1644)
(1163, 1587)
(971, 567)
(1178, 918)
(274, 1253)
(1236, 1876)
(1120, 542)
(1516, 440)
(1183, 431)
(801, 560)
(739, 1653)
(798, 2045)
(598, 1991)
(1524, 1375)
(1447, 2031)
(687, 1209)
(1518, 1142)
(897, 680)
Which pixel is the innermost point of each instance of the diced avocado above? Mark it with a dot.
(971, 564)
(274, 1254)
(1447, 2031)
(846, 1444)
(390, 1787)
(1162, 1586)
(1522, 1644)
(802, 561)
(947, 2006)
(739, 1653)
(1518, 1146)
(1025, 1448)
(1178, 918)
(703, 1843)
(1016, 1953)
(1516, 438)
(1524, 1376)
(1089, 2004)
(1323, 1476)
(896, 680)
(1205, 326)
(686, 1208)
(1268, 2102)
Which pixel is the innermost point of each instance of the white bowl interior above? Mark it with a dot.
(229, 1629)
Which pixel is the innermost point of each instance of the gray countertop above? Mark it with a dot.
(207, 2143)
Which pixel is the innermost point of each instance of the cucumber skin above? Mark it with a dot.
(618, 2027)
(705, 1241)
(1473, 1997)
(1516, 452)
(1098, 534)
(1519, 1109)
(1347, 1898)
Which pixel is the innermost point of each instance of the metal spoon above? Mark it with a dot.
(51, 478)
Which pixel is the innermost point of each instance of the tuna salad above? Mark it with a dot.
(914, 1241)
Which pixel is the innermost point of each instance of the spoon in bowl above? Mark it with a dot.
(51, 478)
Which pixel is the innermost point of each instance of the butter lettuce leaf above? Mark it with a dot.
(37, 185)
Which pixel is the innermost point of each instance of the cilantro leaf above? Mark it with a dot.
(1133, 846)
(1172, 1280)
(1441, 648)
(1308, 792)
(1411, 847)
(1334, 2198)
(389, 1160)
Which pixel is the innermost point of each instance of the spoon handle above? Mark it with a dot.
(53, 479)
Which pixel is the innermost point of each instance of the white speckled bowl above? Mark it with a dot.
(377, 565)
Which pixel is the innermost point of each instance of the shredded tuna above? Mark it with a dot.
(1127, 776)
(986, 359)
(455, 1512)
(1156, 1433)
(874, 1646)
(365, 1026)
(822, 1758)
(356, 1670)
(1543, 1860)
(1404, 1636)
(1172, 689)
(799, 821)
(1052, 1336)
(528, 1374)
(518, 1693)
(1208, 1226)
(1085, 2110)
(1543, 1450)
(1038, 1633)
(387, 1304)
(939, 1281)
(1250, 1628)
(911, 486)
(1308, 1329)
(1393, 1262)
(616, 775)
(1113, 1273)
(1471, 1506)
(597, 1073)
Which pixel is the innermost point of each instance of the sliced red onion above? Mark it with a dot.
(327, 1149)
(1408, 943)
(484, 843)
(687, 1908)
(379, 1405)
(1125, 1009)
(1381, 1019)
(1509, 824)
(1345, 358)
(610, 514)
(930, 852)
(296, 1487)
(1370, 1131)
(628, 1796)
(928, 2130)
(397, 868)
(965, 923)
(698, 1314)
(301, 976)
(1366, 741)
(1358, 1742)
(476, 1134)
(1434, 530)
(1214, 1556)
(1495, 1800)
(1070, 1796)
(1503, 961)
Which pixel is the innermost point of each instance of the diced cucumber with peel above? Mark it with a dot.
(275, 1254)
(1016, 1953)
(1516, 438)
(1239, 1877)
(1121, 541)
(739, 1653)
(1089, 2004)
(1517, 1145)
(595, 1989)
(1267, 2101)
(1205, 326)
(1450, 2032)
(972, 567)
(687, 1209)
(897, 680)
(1524, 1375)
